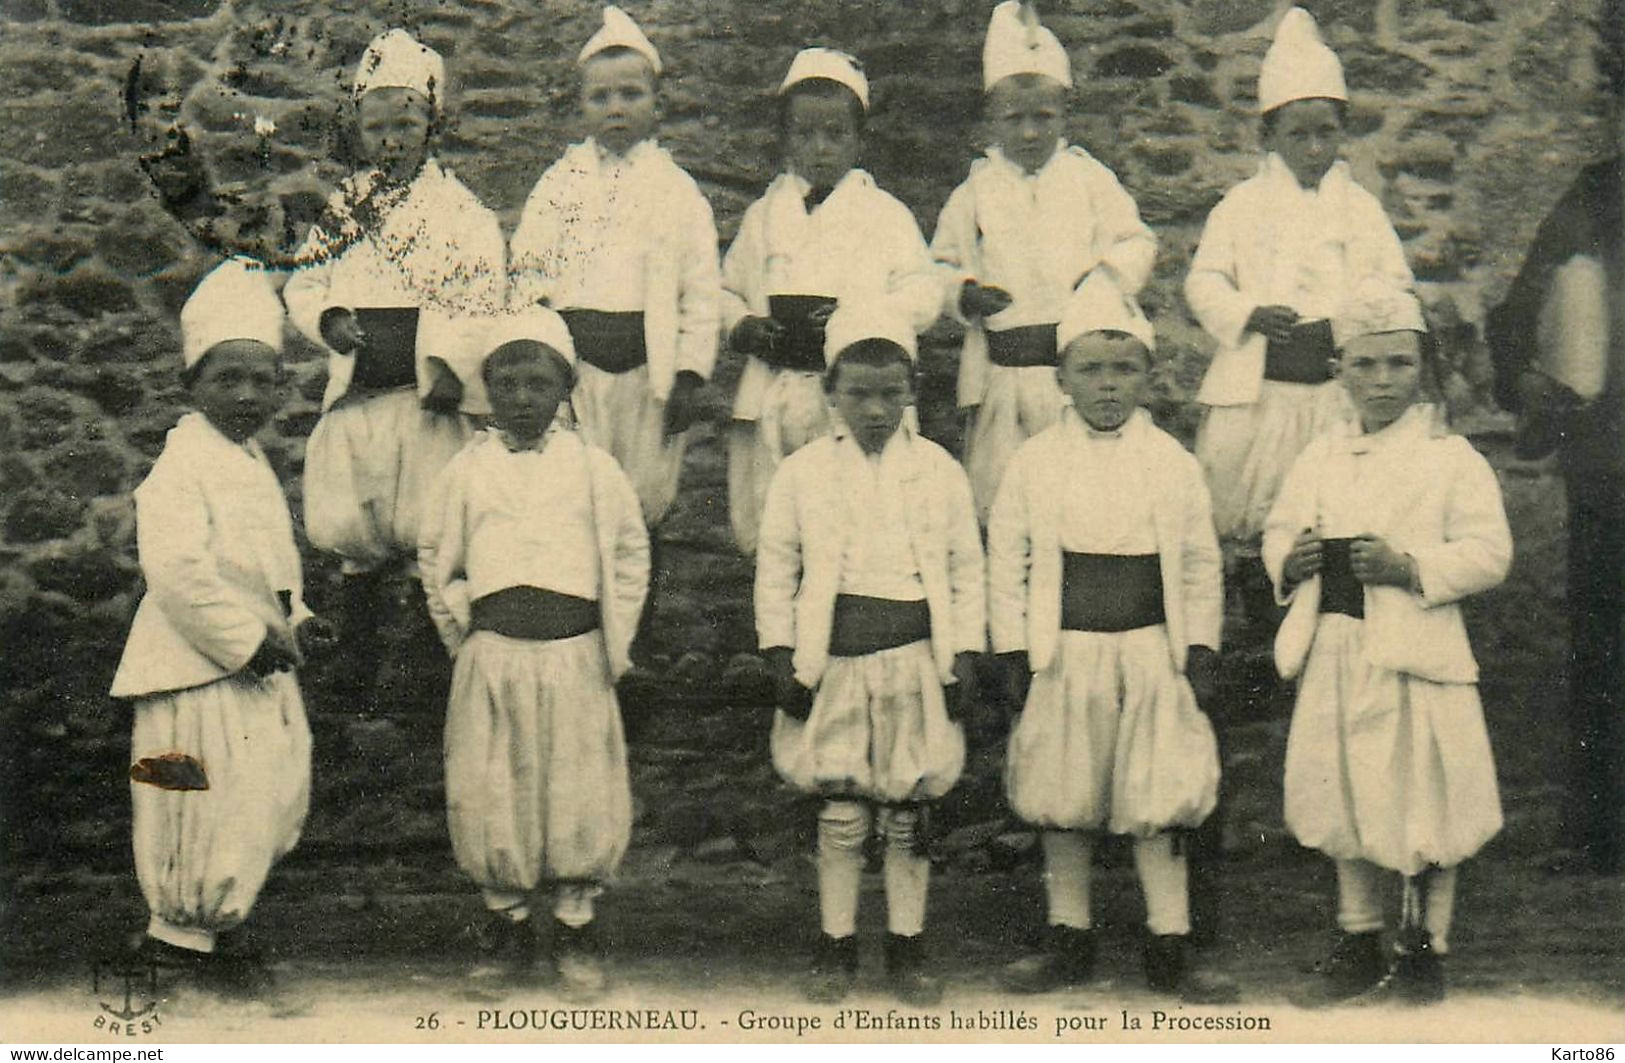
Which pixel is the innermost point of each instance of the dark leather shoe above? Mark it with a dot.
(1067, 959)
(1354, 968)
(834, 970)
(1168, 969)
(905, 968)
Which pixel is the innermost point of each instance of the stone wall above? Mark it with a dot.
(1469, 118)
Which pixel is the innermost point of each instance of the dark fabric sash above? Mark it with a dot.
(1110, 592)
(868, 625)
(1340, 592)
(388, 357)
(802, 346)
(1307, 358)
(608, 340)
(1026, 345)
(533, 613)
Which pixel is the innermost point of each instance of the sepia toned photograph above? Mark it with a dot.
(1085, 522)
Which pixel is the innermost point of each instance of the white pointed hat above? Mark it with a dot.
(619, 31)
(856, 321)
(397, 60)
(532, 322)
(1299, 65)
(830, 65)
(1018, 44)
(234, 301)
(1376, 305)
(1099, 305)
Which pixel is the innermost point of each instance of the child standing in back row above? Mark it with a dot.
(220, 781)
(823, 234)
(1034, 219)
(536, 564)
(1381, 528)
(620, 241)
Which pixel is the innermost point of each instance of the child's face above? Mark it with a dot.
(1383, 375)
(525, 389)
(1105, 376)
(618, 100)
(1307, 134)
(821, 137)
(1026, 113)
(238, 387)
(394, 124)
(871, 400)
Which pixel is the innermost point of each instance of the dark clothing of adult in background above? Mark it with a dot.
(1588, 220)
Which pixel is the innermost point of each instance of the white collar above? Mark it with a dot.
(1014, 169)
(195, 427)
(635, 154)
(1414, 425)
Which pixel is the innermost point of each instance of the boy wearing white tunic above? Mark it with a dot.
(1034, 218)
(536, 564)
(869, 603)
(1104, 594)
(619, 240)
(220, 747)
(823, 233)
(1380, 529)
(403, 248)
(1277, 257)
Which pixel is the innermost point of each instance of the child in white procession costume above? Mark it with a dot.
(869, 602)
(618, 239)
(1380, 529)
(823, 233)
(403, 234)
(1035, 217)
(220, 745)
(1277, 257)
(536, 564)
(1104, 594)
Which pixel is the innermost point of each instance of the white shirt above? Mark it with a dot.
(1106, 508)
(528, 518)
(879, 560)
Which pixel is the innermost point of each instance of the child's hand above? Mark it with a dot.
(963, 694)
(446, 392)
(1018, 680)
(1305, 559)
(682, 405)
(1375, 562)
(756, 335)
(340, 330)
(982, 300)
(1202, 671)
(316, 636)
(793, 699)
(275, 654)
(1273, 322)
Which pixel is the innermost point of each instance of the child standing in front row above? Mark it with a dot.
(536, 564)
(1104, 596)
(1035, 217)
(824, 233)
(619, 240)
(220, 747)
(1379, 531)
(869, 603)
(1278, 255)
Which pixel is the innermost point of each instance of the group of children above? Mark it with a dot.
(509, 422)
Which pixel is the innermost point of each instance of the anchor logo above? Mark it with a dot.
(129, 981)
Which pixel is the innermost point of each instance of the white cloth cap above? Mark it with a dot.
(854, 322)
(235, 301)
(619, 31)
(1017, 44)
(831, 65)
(532, 322)
(397, 60)
(1376, 305)
(1099, 305)
(1298, 65)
